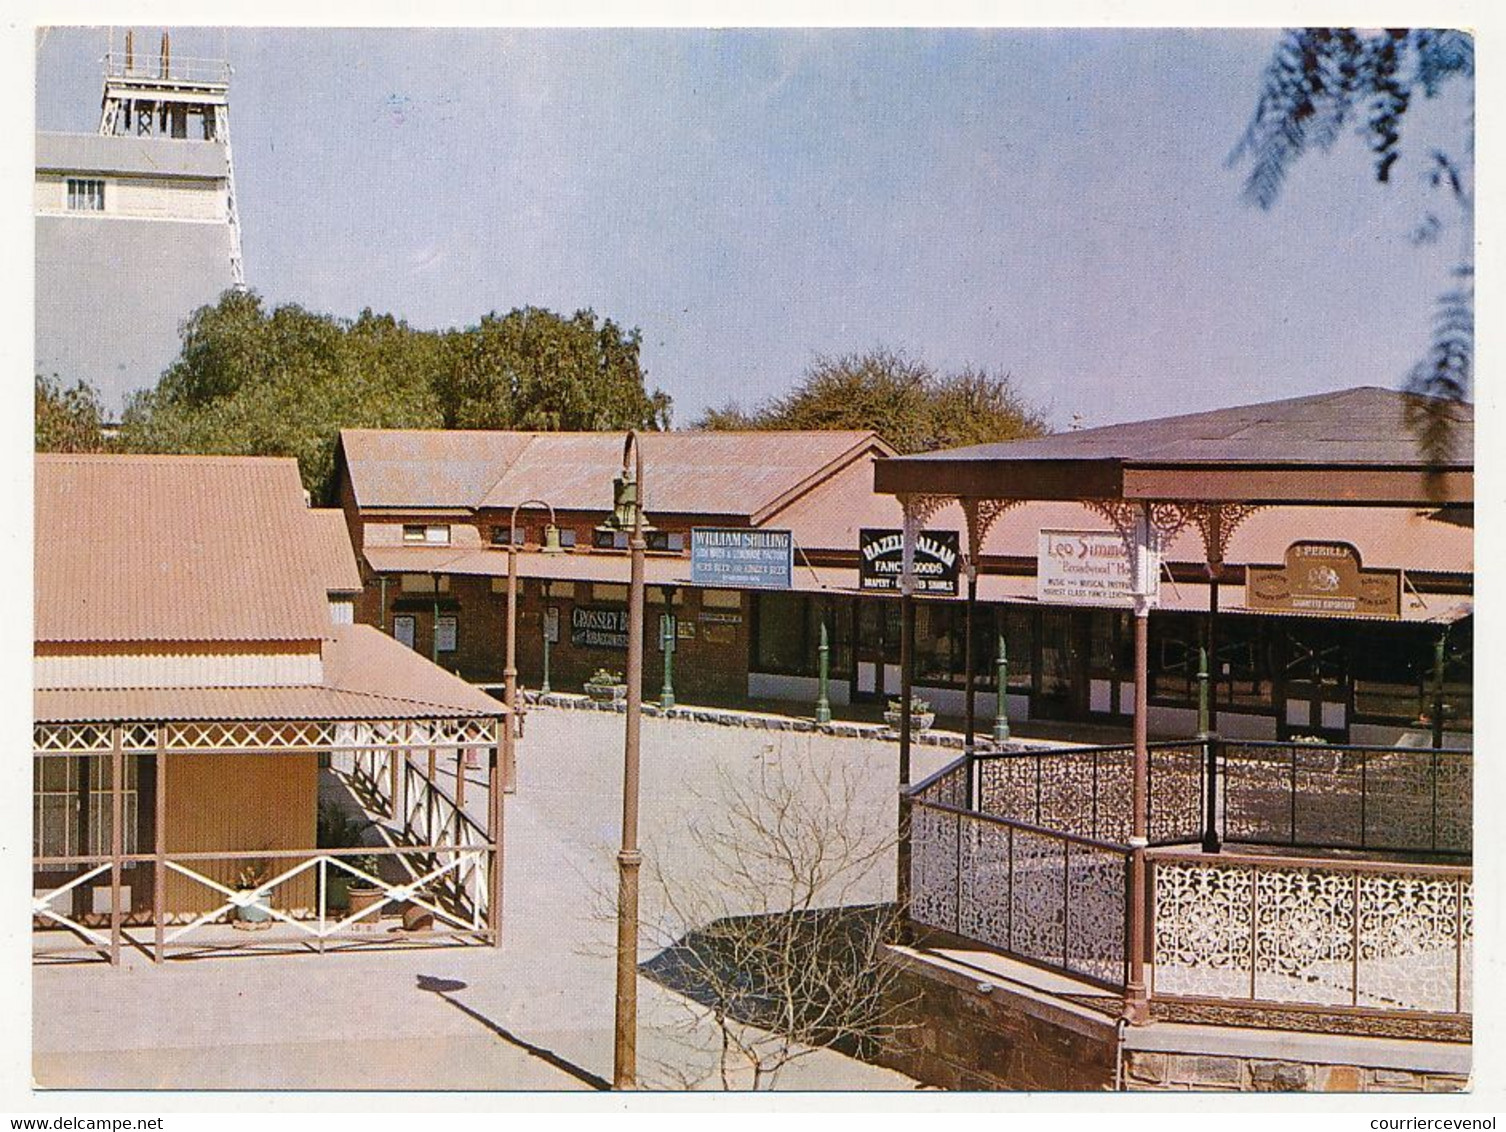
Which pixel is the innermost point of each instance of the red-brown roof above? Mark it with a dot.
(186, 548)
(367, 675)
(685, 473)
(337, 557)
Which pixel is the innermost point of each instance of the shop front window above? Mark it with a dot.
(780, 643)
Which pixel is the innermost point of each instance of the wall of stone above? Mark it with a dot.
(955, 1036)
(1182, 1072)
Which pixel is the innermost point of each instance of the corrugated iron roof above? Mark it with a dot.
(175, 548)
(337, 557)
(367, 675)
(1364, 426)
(692, 473)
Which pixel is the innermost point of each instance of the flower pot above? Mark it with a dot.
(256, 915)
(362, 897)
(606, 693)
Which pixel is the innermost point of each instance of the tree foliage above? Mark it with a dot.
(1321, 81)
(904, 400)
(68, 419)
(284, 382)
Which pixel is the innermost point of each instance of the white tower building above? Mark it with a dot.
(136, 225)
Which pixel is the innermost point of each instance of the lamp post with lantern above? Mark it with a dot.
(628, 515)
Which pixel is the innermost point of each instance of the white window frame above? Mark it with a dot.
(84, 194)
(446, 633)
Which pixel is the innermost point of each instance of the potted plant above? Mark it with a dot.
(253, 910)
(606, 687)
(362, 893)
(338, 828)
(921, 715)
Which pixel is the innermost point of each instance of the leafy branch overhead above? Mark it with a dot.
(284, 382)
(1322, 81)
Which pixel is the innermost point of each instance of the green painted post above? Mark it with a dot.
(667, 642)
(1001, 712)
(544, 688)
(823, 700)
(1440, 647)
(1202, 691)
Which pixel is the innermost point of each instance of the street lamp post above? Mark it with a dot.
(625, 1039)
(544, 588)
(551, 545)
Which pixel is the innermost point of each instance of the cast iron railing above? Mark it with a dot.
(1027, 853)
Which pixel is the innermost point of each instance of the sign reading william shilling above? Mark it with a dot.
(881, 560)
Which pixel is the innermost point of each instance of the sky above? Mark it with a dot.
(1051, 204)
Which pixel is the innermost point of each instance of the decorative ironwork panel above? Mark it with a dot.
(1038, 897)
(1455, 782)
(1409, 928)
(948, 788)
(1466, 945)
(1176, 794)
(1399, 803)
(1257, 788)
(1067, 792)
(933, 867)
(1007, 787)
(1204, 937)
(1096, 887)
(1304, 936)
(984, 883)
(1114, 774)
(1327, 806)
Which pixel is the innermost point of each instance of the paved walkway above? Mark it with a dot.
(536, 1014)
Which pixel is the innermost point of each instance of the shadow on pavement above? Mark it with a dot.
(445, 987)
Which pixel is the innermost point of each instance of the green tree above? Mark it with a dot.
(1322, 80)
(253, 382)
(903, 399)
(68, 419)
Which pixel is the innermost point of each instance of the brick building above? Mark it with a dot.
(429, 511)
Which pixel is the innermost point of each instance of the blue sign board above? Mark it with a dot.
(740, 558)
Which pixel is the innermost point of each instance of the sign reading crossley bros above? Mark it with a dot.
(738, 557)
(1323, 577)
(596, 627)
(1087, 568)
(881, 561)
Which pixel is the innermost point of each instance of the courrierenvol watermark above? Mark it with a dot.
(1433, 1123)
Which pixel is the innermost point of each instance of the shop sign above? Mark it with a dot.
(1088, 568)
(1323, 577)
(593, 627)
(552, 624)
(881, 561)
(739, 558)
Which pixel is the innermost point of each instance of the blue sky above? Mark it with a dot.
(1054, 204)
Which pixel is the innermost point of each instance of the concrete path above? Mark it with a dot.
(536, 1014)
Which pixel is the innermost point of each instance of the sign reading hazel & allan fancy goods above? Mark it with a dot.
(1323, 577)
(881, 560)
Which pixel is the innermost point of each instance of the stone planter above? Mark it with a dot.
(606, 693)
(919, 721)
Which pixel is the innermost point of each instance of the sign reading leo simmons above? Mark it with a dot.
(739, 557)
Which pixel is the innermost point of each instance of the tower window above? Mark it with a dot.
(85, 196)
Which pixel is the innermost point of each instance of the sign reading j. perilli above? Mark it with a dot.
(739, 557)
(1323, 577)
(1088, 568)
(881, 561)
